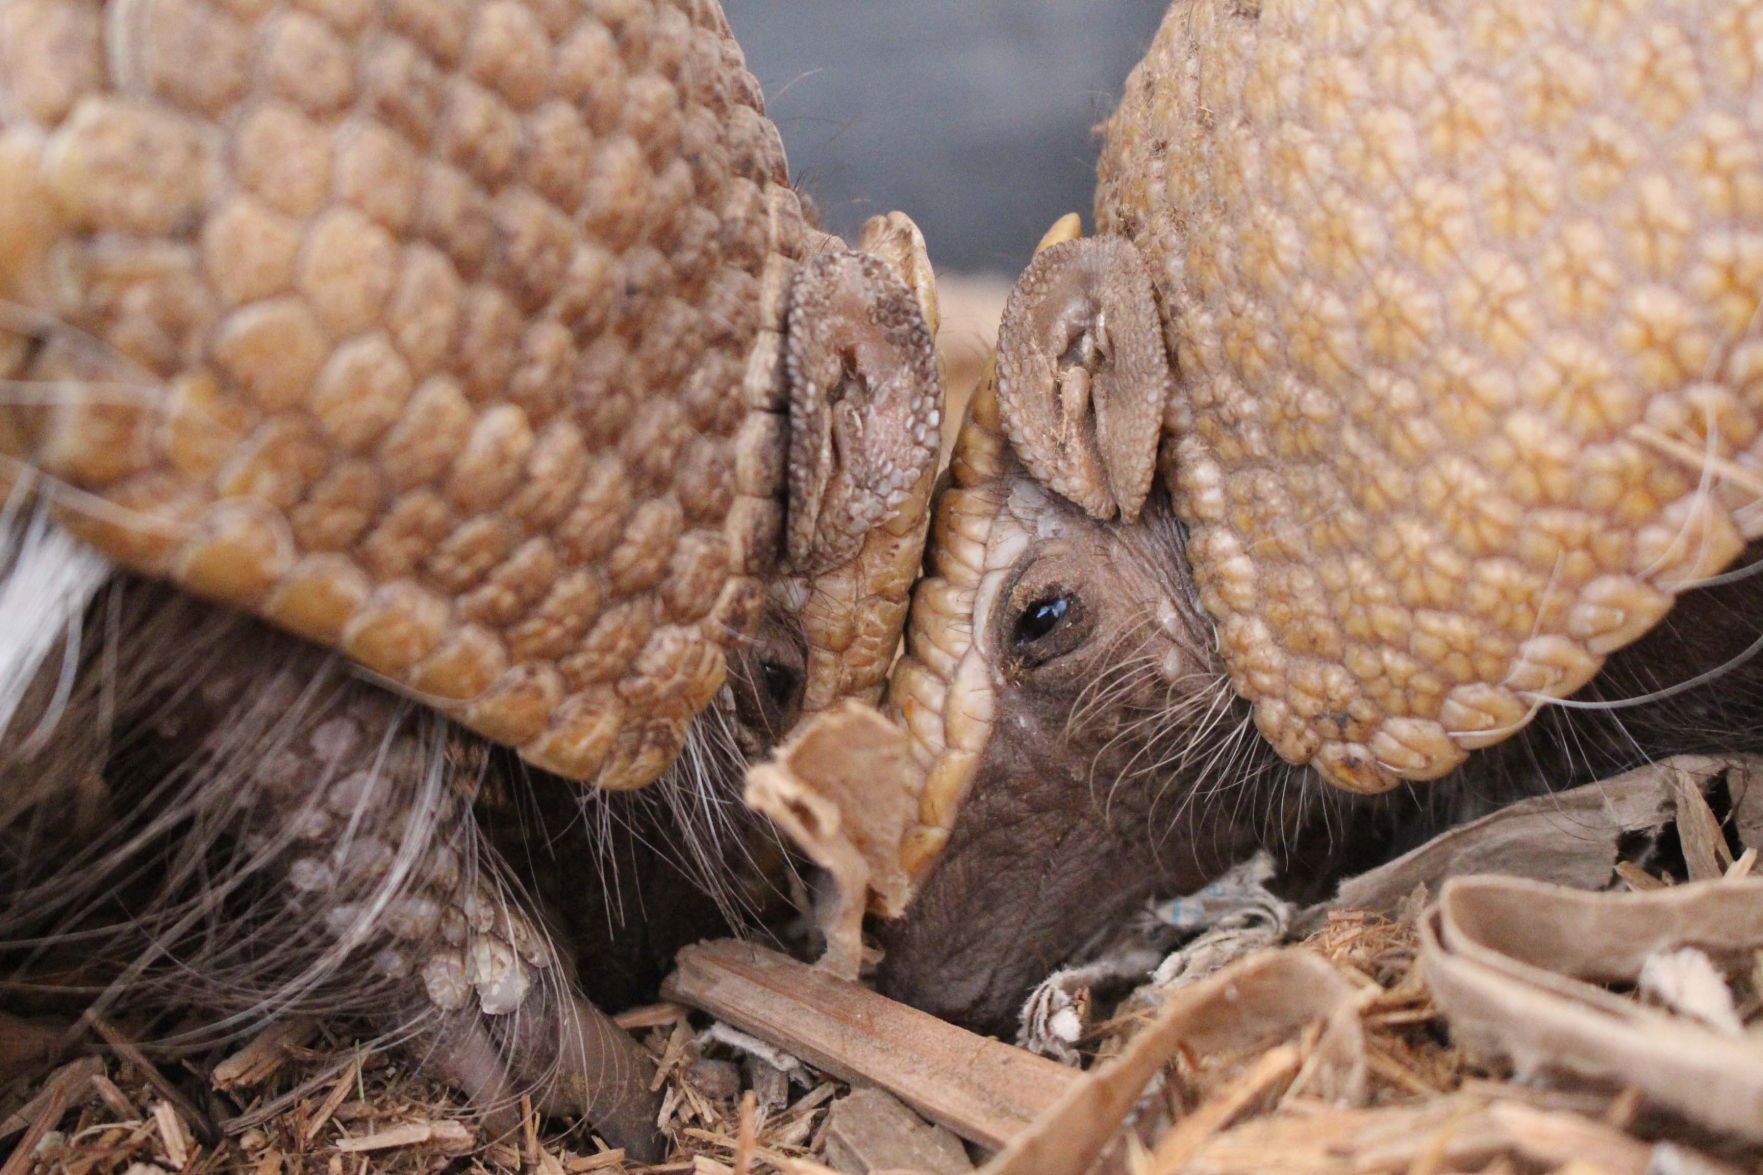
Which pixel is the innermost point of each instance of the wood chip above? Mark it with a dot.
(871, 1130)
(127, 1050)
(114, 1099)
(1624, 1108)
(649, 1016)
(446, 1134)
(1638, 879)
(40, 1115)
(263, 1057)
(1396, 1073)
(171, 1134)
(1271, 1070)
(809, 1167)
(745, 1135)
(530, 1128)
(344, 1084)
(983, 1090)
(1705, 851)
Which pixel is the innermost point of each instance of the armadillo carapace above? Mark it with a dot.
(451, 335)
(1462, 302)
(487, 344)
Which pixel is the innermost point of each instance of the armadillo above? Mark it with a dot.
(487, 345)
(1409, 382)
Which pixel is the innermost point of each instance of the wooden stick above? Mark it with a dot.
(982, 1089)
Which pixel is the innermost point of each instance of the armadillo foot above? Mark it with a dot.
(582, 1063)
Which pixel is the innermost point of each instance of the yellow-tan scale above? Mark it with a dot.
(941, 691)
(1464, 302)
(444, 332)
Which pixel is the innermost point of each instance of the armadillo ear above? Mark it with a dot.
(865, 403)
(893, 238)
(1083, 376)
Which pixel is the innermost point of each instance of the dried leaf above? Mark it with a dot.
(1571, 838)
(844, 788)
(1275, 1067)
(1460, 1132)
(1259, 1001)
(1698, 830)
(1513, 965)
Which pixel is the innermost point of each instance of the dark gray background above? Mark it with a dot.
(975, 117)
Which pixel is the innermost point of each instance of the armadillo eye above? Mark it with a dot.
(1041, 618)
(767, 678)
(1051, 624)
(780, 682)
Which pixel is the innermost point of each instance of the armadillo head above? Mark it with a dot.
(1446, 317)
(487, 344)
(1060, 686)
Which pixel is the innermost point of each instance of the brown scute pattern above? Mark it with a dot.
(1464, 304)
(443, 332)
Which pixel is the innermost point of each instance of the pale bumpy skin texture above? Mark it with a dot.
(1083, 376)
(1462, 305)
(448, 334)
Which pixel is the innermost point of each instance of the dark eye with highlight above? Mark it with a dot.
(1049, 625)
(1041, 618)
